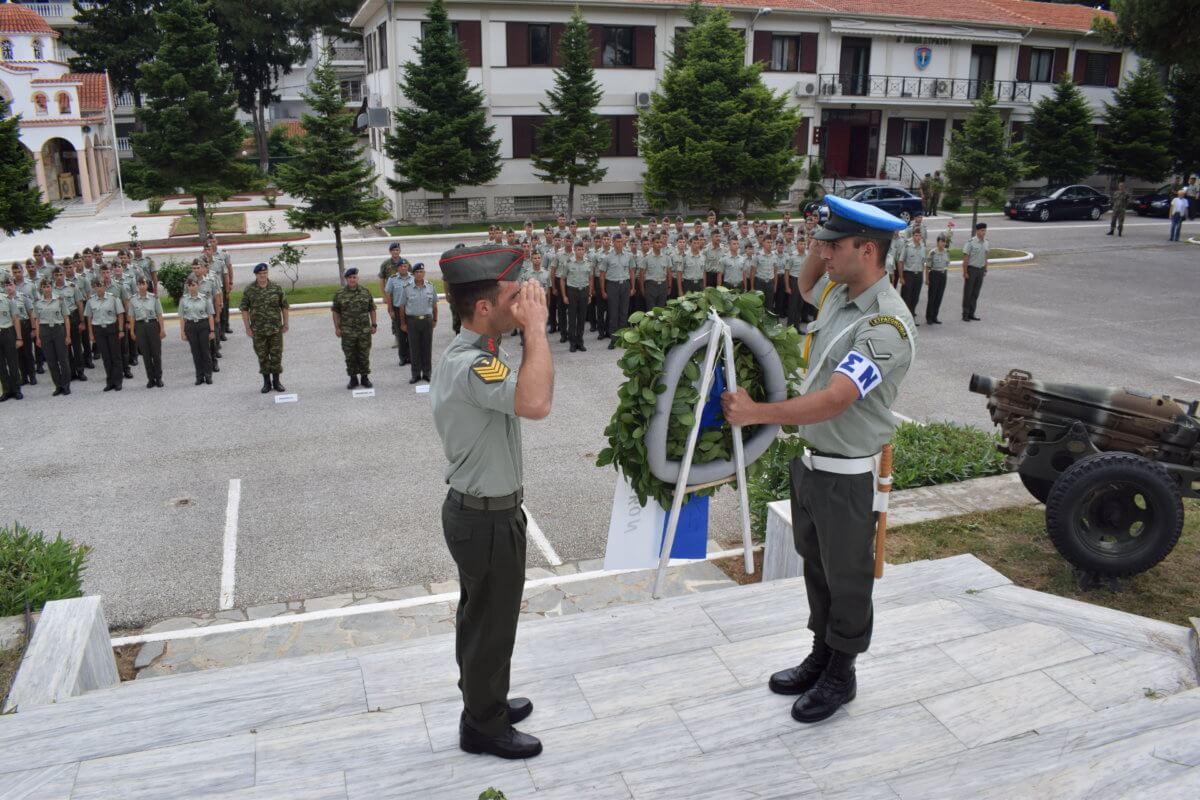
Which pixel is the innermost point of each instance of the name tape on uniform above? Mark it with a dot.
(422, 388)
(290, 397)
(357, 393)
(862, 370)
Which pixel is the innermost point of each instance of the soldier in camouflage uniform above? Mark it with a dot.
(265, 316)
(354, 323)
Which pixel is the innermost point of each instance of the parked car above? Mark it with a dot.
(1156, 204)
(892, 199)
(1059, 202)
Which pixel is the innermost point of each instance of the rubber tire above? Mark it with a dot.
(1156, 486)
(1038, 487)
(1043, 215)
(1094, 213)
(905, 215)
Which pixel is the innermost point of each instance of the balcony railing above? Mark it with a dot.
(849, 84)
(123, 145)
(55, 11)
(348, 53)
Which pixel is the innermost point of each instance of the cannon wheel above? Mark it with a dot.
(1038, 487)
(1114, 514)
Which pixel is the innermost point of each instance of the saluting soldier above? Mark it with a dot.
(106, 329)
(858, 350)
(148, 328)
(478, 400)
(52, 332)
(265, 318)
(1120, 201)
(975, 258)
(418, 317)
(353, 311)
(12, 342)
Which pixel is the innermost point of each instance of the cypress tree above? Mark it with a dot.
(573, 136)
(981, 163)
(21, 206)
(443, 141)
(116, 36)
(1184, 87)
(1136, 137)
(1060, 143)
(328, 172)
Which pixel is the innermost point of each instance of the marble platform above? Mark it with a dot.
(973, 688)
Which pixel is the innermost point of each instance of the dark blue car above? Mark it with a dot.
(892, 199)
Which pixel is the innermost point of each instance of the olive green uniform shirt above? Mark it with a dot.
(145, 308)
(418, 301)
(938, 260)
(195, 309)
(656, 266)
(712, 259)
(616, 266)
(51, 312)
(103, 310)
(913, 256)
(735, 269)
(8, 313)
(765, 266)
(577, 274)
(975, 252)
(693, 265)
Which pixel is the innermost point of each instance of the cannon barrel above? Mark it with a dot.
(983, 384)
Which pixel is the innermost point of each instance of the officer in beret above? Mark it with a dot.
(478, 400)
(265, 317)
(353, 311)
(858, 351)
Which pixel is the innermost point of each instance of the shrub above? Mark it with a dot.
(767, 480)
(172, 276)
(154, 205)
(952, 202)
(36, 571)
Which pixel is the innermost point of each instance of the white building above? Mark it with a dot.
(348, 61)
(880, 83)
(64, 115)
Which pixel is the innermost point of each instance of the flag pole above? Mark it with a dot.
(112, 125)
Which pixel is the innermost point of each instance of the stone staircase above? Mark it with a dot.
(973, 688)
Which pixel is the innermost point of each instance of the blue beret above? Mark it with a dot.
(852, 218)
(420, 265)
(393, 246)
(351, 271)
(260, 267)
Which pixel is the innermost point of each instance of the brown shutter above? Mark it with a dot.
(1061, 56)
(556, 32)
(596, 40)
(643, 47)
(516, 36)
(801, 140)
(521, 137)
(1024, 56)
(626, 127)
(1114, 69)
(471, 36)
(1080, 66)
(937, 137)
(808, 52)
(762, 47)
(895, 133)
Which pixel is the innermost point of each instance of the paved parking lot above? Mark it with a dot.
(340, 494)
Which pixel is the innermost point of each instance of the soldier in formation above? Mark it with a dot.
(354, 323)
(265, 318)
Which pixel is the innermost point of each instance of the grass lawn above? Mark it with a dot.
(983, 209)
(181, 212)
(1014, 542)
(221, 223)
(301, 294)
(995, 252)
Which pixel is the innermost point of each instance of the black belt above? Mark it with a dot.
(509, 501)
(420, 316)
(50, 324)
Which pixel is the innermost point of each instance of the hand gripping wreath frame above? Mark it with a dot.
(716, 335)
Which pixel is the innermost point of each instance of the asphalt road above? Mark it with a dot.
(339, 494)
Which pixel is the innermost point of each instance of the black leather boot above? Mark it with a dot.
(366, 382)
(510, 744)
(353, 383)
(266, 384)
(800, 679)
(836, 687)
(275, 384)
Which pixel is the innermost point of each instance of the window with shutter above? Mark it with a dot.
(616, 46)
(539, 46)
(1041, 65)
(785, 53)
(1095, 71)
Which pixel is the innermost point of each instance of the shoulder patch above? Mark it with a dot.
(888, 319)
(489, 369)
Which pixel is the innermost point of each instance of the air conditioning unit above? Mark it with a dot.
(941, 87)
(805, 89)
(378, 118)
(831, 87)
(642, 99)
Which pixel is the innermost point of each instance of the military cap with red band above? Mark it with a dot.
(482, 263)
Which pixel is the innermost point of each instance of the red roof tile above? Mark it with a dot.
(18, 19)
(94, 94)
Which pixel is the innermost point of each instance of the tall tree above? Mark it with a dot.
(329, 173)
(573, 136)
(1184, 88)
(117, 36)
(1166, 31)
(443, 140)
(21, 206)
(1136, 137)
(191, 138)
(981, 163)
(713, 130)
(1060, 143)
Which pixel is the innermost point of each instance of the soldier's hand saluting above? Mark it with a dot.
(530, 310)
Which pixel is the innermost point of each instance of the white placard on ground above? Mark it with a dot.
(357, 393)
(290, 397)
(634, 531)
(422, 388)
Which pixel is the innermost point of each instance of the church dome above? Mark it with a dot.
(19, 19)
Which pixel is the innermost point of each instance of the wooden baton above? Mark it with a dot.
(884, 488)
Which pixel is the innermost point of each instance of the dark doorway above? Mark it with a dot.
(856, 65)
(983, 69)
(860, 141)
(849, 142)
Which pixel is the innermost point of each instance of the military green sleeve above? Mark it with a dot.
(208, 306)
(336, 308)
(492, 384)
(245, 304)
(283, 303)
(881, 346)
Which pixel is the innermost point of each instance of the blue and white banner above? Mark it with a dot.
(636, 532)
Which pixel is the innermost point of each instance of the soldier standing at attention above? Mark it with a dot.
(478, 401)
(732, 268)
(655, 274)
(766, 274)
(691, 270)
(938, 186)
(12, 342)
(106, 328)
(148, 329)
(418, 317)
(575, 287)
(394, 264)
(859, 349)
(198, 328)
(937, 263)
(144, 265)
(354, 323)
(619, 274)
(265, 317)
(1120, 201)
(911, 264)
(52, 332)
(975, 258)
(927, 192)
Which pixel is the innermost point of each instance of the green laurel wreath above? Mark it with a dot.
(646, 341)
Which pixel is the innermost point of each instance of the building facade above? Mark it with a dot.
(64, 115)
(880, 89)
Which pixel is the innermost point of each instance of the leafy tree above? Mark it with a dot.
(191, 140)
(713, 130)
(981, 163)
(1165, 31)
(117, 36)
(1184, 87)
(1136, 137)
(1060, 143)
(328, 172)
(443, 141)
(573, 136)
(21, 206)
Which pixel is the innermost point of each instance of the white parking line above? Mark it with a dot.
(1189, 380)
(229, 551)
(535, 532)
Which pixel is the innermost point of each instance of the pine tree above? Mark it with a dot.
(21, 206)
(191, 139)
(116, 37)
(328, 172)
(1136, 137)
(981, 163)
(1165, 31)
(1060, 143)
(443, 141)
(714, 131)
(573, 136)
(1185, 118)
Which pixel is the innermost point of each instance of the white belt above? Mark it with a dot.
(839, 466)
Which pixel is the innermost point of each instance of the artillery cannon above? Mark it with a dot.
(1111, 465)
